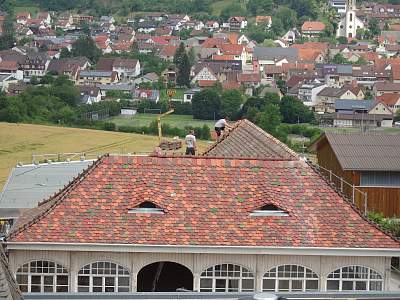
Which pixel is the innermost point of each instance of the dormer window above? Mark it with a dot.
(269, 210)
(146, 207)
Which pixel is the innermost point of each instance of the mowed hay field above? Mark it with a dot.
(19, 141)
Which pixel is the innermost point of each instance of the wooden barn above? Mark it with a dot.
(370, 163)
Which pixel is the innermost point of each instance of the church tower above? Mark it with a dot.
(350, 23)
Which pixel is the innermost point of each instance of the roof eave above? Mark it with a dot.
(309, 251)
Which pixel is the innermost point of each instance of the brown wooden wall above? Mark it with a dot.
(379, 199)
(382, 199)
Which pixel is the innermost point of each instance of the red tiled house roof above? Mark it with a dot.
(247, 140)
(206, 202)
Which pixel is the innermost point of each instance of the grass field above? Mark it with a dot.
(179, 121)
(19, 141)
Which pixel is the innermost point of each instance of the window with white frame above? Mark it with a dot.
(227, 278)
(103, 277)
(354, 278)
(288, 278)
(42, 276)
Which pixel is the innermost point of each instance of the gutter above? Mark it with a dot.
(195, 249)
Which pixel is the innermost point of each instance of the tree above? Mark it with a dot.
(230, 103)
(342, 40)
(206, 104)
(182, 62)
(183, 77)
(260, 7)
(287, 16)
(294, 111)
(65, 53)
(7, 38)
(85, 46)
(269, 118)
(340, 59)
(373, 27)
(232, 10)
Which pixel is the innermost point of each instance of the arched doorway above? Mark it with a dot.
(164, 276)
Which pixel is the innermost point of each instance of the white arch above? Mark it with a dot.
(229, 277)
(291, 280)
(167, 259)
(31, 280)
(368, 280)
(102, 281)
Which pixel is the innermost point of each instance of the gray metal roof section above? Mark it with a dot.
(366, 152)
(270, 53)
(344, 104)
(30, 184)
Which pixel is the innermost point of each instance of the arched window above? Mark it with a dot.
(287, 278)
(227, 278)
(103, 277)
(354, 278)
(351, 17)
(42, 276)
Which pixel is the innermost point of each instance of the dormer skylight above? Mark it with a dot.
(269, 210)
(146, 207)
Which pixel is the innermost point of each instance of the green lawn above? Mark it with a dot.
(357, 129)
(179, 121)
(32, 9)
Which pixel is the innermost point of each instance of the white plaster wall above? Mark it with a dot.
(198, 262)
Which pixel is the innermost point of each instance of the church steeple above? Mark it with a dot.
(351, 5)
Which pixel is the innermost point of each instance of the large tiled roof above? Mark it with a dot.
(361, 151)
(206, 202)
(8, 287)
(247, 140)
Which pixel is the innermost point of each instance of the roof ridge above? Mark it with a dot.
(57, 198)
(277, 141)
(352, 205)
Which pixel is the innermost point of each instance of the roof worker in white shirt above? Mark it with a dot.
(220, 127)
(190, 140)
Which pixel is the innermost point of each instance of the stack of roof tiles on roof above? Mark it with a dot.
(206, 202)
(247, 140)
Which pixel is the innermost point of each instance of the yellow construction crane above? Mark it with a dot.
(167, 145)
(159, 123)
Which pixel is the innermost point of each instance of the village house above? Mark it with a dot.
(92, 77)
(127, 68)
(312, 29)
(83, 253)
(68, 66)
(34, 65)
(264, 21)
(392, 100)
(146, 95)
(89, 94)
(362, 114)
(327, 97)
(369, 161)
(308, 91)
(381, 88)
(237, 23)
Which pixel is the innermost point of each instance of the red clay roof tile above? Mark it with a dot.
(207, 201)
